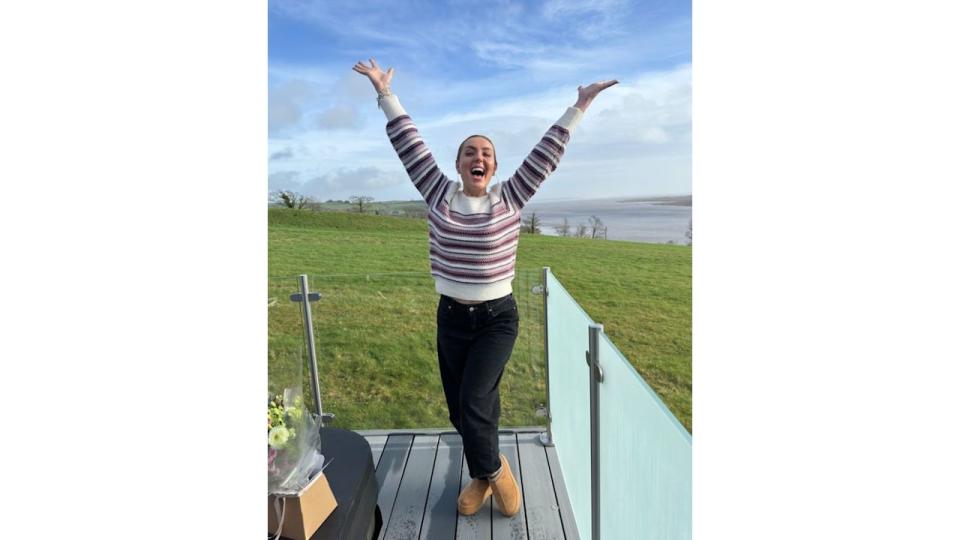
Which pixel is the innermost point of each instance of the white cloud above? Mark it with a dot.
(339, 117)
(374, 22)
(343, 182)
(283, 114)
(353, 87)
(654, 134)
(554, 9)
(286, 103)
(659, 99)
(283, 180)
(593, 20)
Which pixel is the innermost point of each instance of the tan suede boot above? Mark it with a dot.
(473, 496)
(506, 492)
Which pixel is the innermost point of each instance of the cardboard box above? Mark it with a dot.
(304, 512)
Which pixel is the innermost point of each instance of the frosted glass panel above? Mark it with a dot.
(568, 341)
(287, 353)
(645, 457)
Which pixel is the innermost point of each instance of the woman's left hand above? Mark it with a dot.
(588, 93)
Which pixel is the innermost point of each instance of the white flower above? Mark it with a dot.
(278, 437)
(294, 413)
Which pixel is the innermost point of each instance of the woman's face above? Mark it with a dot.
(476, 164)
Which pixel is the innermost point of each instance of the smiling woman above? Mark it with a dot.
(473, 234)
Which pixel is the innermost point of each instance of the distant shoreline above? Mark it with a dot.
(680, 200)
(664, 200)
(667, 200)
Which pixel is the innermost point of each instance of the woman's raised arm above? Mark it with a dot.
(404, 136)
(545, 156)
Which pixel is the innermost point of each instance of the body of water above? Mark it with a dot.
(656, 219)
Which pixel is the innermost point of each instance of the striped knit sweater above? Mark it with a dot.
(473, 240)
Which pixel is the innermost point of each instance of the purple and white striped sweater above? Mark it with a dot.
(473, 240)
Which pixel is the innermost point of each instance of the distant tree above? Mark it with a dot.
(290, 199)
(564, 228)
(360, 200)
(581, 230)
(532, 224)
(596, 227)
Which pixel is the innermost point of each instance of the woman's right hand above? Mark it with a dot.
(380, 80)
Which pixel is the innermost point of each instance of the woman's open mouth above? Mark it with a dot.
(477, 173)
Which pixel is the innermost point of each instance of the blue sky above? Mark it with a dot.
(504, 69)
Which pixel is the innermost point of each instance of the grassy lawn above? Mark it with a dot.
(375, 325)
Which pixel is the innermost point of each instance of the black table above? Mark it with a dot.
(353, 480)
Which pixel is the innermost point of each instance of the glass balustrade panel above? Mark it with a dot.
(286, 351)
(568, 335)
(645, 457)
(375, 339)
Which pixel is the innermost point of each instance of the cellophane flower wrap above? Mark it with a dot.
(293, 443)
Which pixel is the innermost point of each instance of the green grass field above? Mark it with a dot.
(375, 325)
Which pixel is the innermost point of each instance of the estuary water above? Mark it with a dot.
(637, 219)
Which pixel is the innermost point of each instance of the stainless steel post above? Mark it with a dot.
(311, 350)
(596, 377)
(547, 437)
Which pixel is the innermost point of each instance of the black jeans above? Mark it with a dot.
(474, 343)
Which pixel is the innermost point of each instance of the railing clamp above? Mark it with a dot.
(599, 369)
(311, 297)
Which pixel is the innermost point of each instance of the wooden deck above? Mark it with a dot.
(421, 472)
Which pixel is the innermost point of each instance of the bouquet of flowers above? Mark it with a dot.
(293, 444)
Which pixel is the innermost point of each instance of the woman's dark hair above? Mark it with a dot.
(459, 150)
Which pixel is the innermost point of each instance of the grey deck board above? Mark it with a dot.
(440, 516)
(514, 528)
(408, 509)
(389, 472)
(543, 512)
(478, 525)
(563, 499)
(376, 446)
(421, 473)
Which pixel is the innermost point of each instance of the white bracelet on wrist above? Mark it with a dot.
(382, 94)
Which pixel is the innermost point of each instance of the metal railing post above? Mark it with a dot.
(596, 377)
(546, 438)
(304, 298)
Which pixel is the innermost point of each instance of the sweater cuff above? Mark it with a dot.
(570, 119)
(391, 107)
